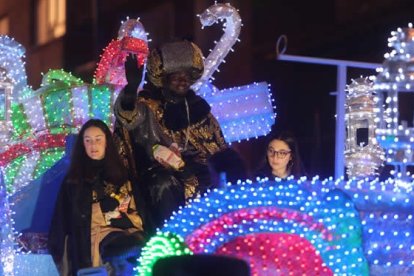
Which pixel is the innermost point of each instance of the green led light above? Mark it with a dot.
(160, 246)
(47, 159)
(11, 171)
(100, 106)
(20, 124)
(58, 76)
(56, 107)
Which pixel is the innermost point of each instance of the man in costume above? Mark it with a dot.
(170, 114)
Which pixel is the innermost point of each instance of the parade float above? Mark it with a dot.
(355, 225)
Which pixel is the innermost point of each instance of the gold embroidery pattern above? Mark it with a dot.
(190, 187)
(198, 62)
(109, 188)
(155, 68)
(127, 117)
(123, 143)
(205, 136)
(124, 191)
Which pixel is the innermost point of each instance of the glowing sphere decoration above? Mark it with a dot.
(277, 227)
(363, 155)
(394, 85)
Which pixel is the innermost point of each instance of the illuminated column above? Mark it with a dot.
(363, 155)
(394, 85)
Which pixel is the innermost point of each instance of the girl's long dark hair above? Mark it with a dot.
(294, 166)
(82, 167)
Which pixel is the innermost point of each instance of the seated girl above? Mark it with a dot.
(282, 158)
(96, 209)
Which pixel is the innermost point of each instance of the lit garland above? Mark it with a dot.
(362, 160)
(327, 229)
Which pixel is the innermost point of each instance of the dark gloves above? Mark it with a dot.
(108, 204)
(123, 222)
(133, 75)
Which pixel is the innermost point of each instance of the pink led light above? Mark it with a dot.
(279, 253)
(202, 236)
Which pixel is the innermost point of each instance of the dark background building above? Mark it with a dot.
(71, 34)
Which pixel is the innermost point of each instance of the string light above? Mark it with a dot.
(215, 14)
(247, 219)
(42, 122)
(243, 112)
(394, 79)
(132, 38)
(7, 234)
(160, 246)
(291, 226)
(12, 54)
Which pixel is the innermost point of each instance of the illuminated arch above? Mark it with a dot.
(226, 222)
